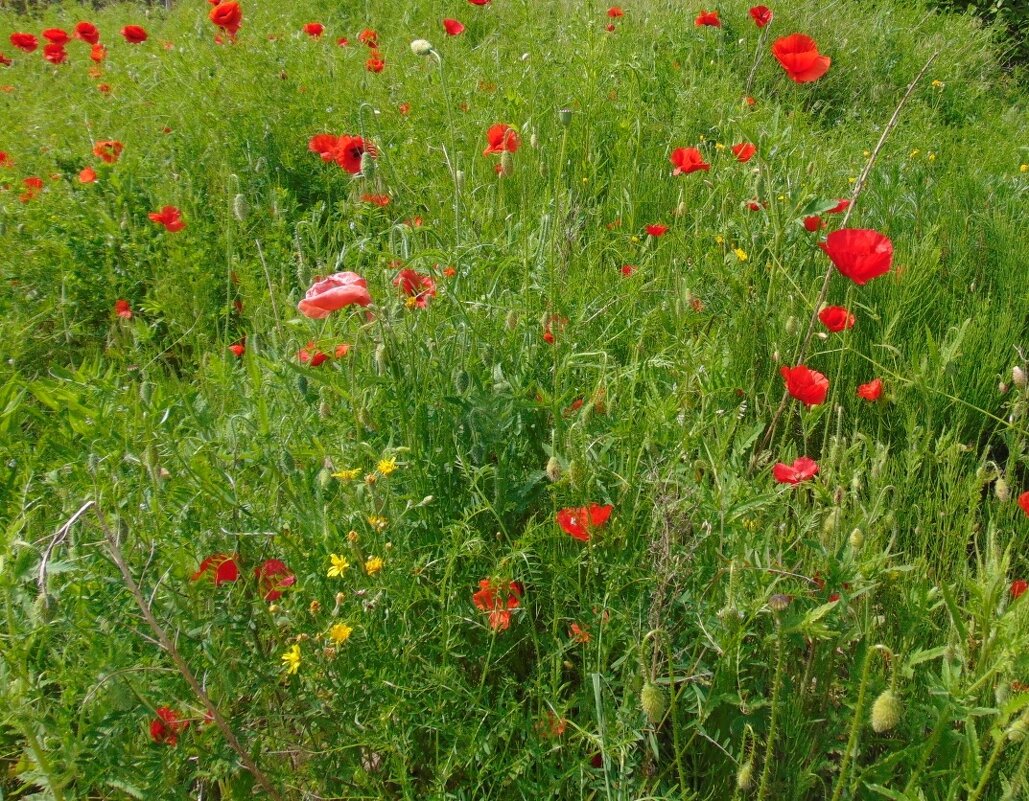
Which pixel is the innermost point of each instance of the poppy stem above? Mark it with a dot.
(823, 293)
(169, 646)
(757, 60)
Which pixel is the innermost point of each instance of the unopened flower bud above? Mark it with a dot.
(367, 165)
(857, 539)
(534, 141)
(420, 47)
(680, 209)
(575, 473)
(1000, 489)
(792, 325)
(380, 358)
(511, 321)
(553, 469)
(240, 207)
(745, 776)
(1018, 377)
(506, 163)
(324, 410)
(886, 711)
(1016, 731)
(653, 701)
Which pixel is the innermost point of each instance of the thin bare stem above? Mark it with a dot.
(858, 187)
(167, 644)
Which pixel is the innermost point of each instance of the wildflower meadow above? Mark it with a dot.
(513, 399)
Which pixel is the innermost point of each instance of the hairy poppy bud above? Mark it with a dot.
(240, 207)
(506, 163)
(792, 325)
(380, 358)
(367, 165)
(1001, 490)
(324, 478)
(831, 521)
(745, 776)
(886, 711)
(459, 178)
(1018, 377)
(857, 539)
(653, 701)
(553, 469)
(534, 141)
(511, 321)
(575, 474)
(680, 209)
(420, 47)
(1016, 731)
(324, 409)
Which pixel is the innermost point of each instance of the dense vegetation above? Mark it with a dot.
(523, 516)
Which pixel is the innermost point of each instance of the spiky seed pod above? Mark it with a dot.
(745, 776)
(1000, 489)
(554, 469)
(886, 711)
(857, 539)
(653, 701)
(1018, 377)
(240, 207)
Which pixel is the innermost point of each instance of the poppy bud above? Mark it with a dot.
(857, 539)
(792, 325)
(324, 478)
(831, 521)
(1000, 489)
(506, 163)
(1018, 377)
(653, 701)
(459, 178)
(886, 711)
(420, 47)
(1016, 731)
(461, 381)
(146, 391)
(512, 320)
(553, 469)
(745, 776)
(575, 474)
(367, 165)
(380, 358)
(324, 409)
(534, 141)
(240, 207)
(680, 210)
(564, 116)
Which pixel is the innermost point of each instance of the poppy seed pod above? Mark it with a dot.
(564, 116)
(778, 602)
(1018, 377)
(653, 702)
(420, 47)
(886, 711)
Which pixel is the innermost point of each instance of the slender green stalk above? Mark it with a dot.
(766, 770)
(855, 729)
(986, 775)
(930, 746)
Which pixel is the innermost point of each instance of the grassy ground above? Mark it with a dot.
(721, 634)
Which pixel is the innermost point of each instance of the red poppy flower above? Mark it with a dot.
(798, 54)
(808, 386)
(170, 217)
(871, 391)
(549, 324)
(223, 568)
(310, 355)
(453, 27)
(501, 138)
(841, 206)
(5, 61)
(744, 151)
(802, 469)
(610, 27)
(628, 269)
(314, 29)
(345, 150)
(108, 151)
(228, 16)
(55, 53)
(376, 200)
(861, 254)
(404, 108)
(24, 41)
(615, 12)
(134, 34)
(166, 727)
(6, 160)
(32, 186)
(708, 18)
(87, 32)
(333, 293)
(123, 309)
(492, 600)
(273, 577)
(1023, 502)
(579, 633)
(761, 15)
(1018, 588)
(238, 350)
(87, 175)
(375, 63)
(657, 229)
(98, 53)
(342, 42)
(368, 37)
(56, 36)
(687, 160)
(755, 205)
(582, 521)
(479, 2)
(813, 223)
(419, 287)
(836, 318)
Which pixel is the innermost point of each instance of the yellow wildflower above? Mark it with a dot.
(411, 302)
(339, 633)
(373, 565)
(386, 466)
(719, 239)
(914, 153)
(377, 522)
(1023, 167)
(339, 565)
(937, 84)
(292, 659)
(741, 254)
(347, 475)
(719, 146)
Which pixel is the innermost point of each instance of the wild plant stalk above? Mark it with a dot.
(855, 729)
(166, 643)
(991, 763)
(759, 52)
(773, 724)
(827, 279)
(930, 746)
